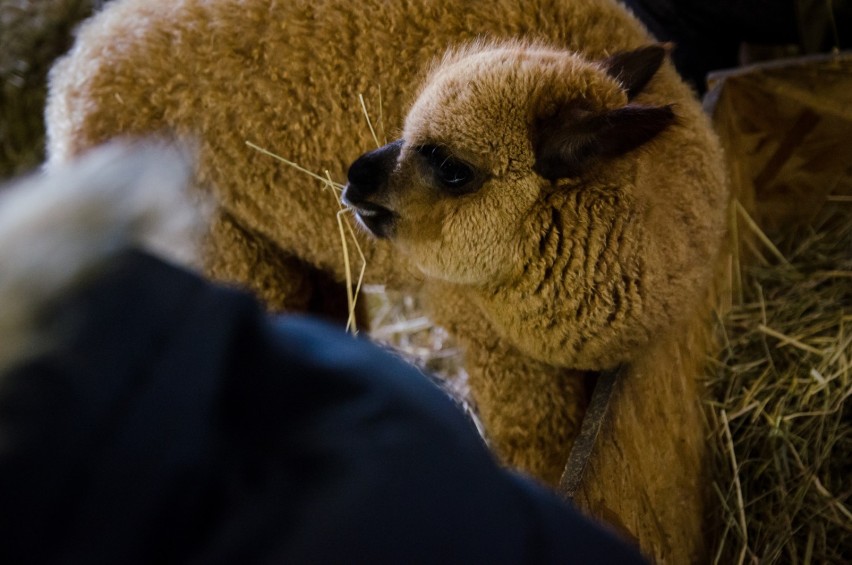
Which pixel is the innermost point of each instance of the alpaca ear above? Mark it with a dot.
(569, 143)
(633, 69)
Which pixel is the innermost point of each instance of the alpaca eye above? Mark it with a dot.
(451, 173)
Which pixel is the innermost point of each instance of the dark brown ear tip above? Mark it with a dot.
(660, 49)
(655, 55)
(672, 115)
(668, 47)
(635, 68)
(660, 117)
(669, 110)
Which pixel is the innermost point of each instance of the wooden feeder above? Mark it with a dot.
(786, 127)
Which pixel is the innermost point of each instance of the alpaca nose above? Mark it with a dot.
(370, 172)
(368, 178)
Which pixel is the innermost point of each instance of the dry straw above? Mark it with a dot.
(344, 227)
(780, 390)
(347, 234)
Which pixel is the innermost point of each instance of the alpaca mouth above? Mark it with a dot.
(378, 220)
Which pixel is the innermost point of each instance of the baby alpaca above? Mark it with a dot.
(554, 193)
(523, 181)
(536, 192)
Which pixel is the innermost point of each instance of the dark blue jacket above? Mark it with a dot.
(168, 420)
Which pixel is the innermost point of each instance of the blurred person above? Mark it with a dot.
(150, 416)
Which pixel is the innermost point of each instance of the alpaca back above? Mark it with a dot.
(285, 76)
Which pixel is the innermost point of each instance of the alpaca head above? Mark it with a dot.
(494, 129)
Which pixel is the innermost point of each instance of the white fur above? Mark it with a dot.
(60, 224)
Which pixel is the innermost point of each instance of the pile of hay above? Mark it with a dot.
(782, 428)
(398, 322)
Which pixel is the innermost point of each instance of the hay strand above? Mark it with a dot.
(787, 340)
(351, 293)
(296, 166)
(353, 289)
(740, 507)
(755, 229)
(369, 121)
(382, 117)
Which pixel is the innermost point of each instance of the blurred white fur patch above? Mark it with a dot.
(60, 225)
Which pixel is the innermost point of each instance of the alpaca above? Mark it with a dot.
(555, 195)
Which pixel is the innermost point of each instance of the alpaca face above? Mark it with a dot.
(493, 131)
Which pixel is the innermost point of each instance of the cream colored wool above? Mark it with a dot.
(539, 280)
(57, 229)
